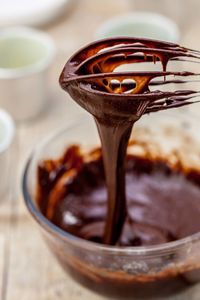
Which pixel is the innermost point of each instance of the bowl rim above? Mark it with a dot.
(50, 228)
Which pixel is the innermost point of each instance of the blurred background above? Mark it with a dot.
(31, 61)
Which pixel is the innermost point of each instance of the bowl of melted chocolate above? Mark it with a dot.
(117, 194)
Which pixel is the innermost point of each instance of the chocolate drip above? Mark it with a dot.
(118, 99)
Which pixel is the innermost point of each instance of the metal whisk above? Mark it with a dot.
(94, 68)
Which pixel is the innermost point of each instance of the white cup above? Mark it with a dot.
(7, 130)
(140, 24)
(25, 56)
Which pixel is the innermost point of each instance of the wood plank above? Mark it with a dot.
(5, 221)
(34, 273)
(2, 263)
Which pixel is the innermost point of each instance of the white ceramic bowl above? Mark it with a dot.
(25, 56)
(140, 24)
(31, 13)
(7, 130)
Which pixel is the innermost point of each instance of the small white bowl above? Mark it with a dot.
(31, 13)
(7, 130)
(140, 24)
(25, 56)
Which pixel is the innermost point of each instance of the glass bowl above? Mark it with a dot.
(123, 272)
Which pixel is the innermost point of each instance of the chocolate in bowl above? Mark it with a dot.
(117, 100)
(116, 271)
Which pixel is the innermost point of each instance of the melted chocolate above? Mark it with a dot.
(118, 99)
(160, 199)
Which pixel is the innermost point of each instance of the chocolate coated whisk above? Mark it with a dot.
(117, 99)
(94, 68)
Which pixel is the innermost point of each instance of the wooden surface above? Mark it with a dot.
(27, 269)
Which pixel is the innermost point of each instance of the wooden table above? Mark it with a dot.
(28, 271)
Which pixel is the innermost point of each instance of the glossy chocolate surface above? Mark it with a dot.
(163, 203)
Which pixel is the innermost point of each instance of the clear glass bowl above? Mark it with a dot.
(129, 272)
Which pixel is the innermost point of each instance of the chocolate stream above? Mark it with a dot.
(116, 105)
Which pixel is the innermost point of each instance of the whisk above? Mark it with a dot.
(117, 99)
(94, 68)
